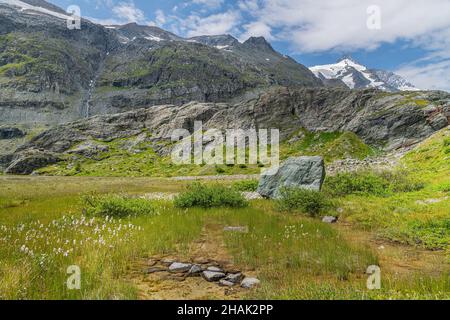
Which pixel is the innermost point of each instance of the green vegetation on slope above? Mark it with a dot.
(419, 217)
(141, 160)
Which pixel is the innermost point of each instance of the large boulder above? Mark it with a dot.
(301, 172)
(27, 161)
(10, 133)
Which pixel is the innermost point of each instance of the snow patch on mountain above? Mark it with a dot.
(30, 9)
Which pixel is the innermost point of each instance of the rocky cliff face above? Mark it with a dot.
(388, 121)
(50, 74)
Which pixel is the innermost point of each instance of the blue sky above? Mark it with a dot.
(410, 37)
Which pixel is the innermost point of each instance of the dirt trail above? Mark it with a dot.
(395, 258)
(210, 250)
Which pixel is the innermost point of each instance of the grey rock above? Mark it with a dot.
(26, 162)
(383, 121)
(234, 277)
(178, 267)
(330, 219)
(212, 276)
(225, 283)
(89, 149)
(167, 261)
(195, 270)
(214, 269)
(301, 172)
(10, 133)
(249, 283)
(155, 270)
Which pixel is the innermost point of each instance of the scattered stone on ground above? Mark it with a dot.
(195, 270)
(225, 283)
(214, 269)
(329, 219)
(155, 270)
(178, 267)
(300, 172)
(249, 283)
(167, 261)
(236, 229)
(213, 276)
(209, 250)
(234, 277)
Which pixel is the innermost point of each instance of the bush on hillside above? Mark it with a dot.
(307, 201)
(209, 196)
(116, 206)
(246, 185)
(370, 183)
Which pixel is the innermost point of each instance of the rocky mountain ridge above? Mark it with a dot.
(50, 74)
(386, 121)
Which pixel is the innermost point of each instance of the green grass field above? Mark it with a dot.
(43, 231)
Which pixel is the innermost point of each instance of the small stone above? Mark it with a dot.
(151, 262)
(195, 270)
(167, 261)
(155, 270)
(234, 278)
(249, 283)
(212, 276)
(225, 283)
(214, 269)
(329, 219)
(178, 267)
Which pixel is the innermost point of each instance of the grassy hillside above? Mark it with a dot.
(125, 157)
(420, 217)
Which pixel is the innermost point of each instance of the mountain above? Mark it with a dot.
(50, 74)
(358, 76)
(388, 121)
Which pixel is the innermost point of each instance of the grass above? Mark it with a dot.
(295, 257)
(418, 217)
(43, 231)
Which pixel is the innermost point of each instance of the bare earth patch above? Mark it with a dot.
(209, 251)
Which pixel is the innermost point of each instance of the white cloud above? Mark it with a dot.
(209, 3)
(127, 11)
(341, 25)
(221, 23)
(432, 76)
(257, 29)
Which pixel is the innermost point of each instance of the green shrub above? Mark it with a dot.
(307, 201)
(371, 183)
(356, 182)
(116, 206)
(246, 185)
(201, 195)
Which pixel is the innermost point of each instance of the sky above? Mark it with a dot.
(409, 37)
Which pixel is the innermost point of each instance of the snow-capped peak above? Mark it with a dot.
(357, 76)
(32, 9)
